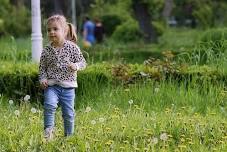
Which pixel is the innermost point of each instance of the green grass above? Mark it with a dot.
(179, 116)
(119, 128)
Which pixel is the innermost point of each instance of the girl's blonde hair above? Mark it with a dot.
(70, 30)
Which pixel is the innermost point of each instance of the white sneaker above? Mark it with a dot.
(48, 134)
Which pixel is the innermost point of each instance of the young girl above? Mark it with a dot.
(59, 63)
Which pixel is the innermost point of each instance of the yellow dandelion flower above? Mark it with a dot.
(221, 142)
(182, 140)
(225, 137)
(137, 149)
(190, 143)
(182, 146)
(149, 133)
(108, 129)
(213, 113)
(126, 142)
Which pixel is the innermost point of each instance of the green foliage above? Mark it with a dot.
(204, 15)
(110, 22)
(159, 27)
(19, 24)
(21, 78)
(215, 35)
(155, 7)
(127, 32)
(212, 46)
(15, 50)
(14, 20)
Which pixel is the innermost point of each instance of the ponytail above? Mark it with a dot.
(71, 34)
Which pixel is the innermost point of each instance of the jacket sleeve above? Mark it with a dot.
(78, 59)
(43, 66)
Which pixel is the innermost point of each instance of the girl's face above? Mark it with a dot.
(55, 32)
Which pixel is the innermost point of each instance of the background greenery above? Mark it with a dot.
(164, 96)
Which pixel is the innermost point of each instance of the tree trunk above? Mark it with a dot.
(167, 9)
(57, 7)
(17, 3)
(141, 13)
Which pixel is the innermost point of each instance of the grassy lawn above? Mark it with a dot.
(164, 115)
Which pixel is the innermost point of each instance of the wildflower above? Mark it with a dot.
(182, 146)
(154, 140)
(88, 109)
(164, 136)
(33, 110)
(225, 137)
(156, 90)
(93, 122)
(101, 120)
(144, 74)
(26, 98)
(17, 112)
(87, 145)
(108, 129)
(10, 102)
(127, 90)
(108, 143)
(126, 142)
(130, 101)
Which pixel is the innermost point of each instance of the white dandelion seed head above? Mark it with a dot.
(17, 112)
(27, 98)
(88, 109)
(164, 136)
(130, 101)
(154, 140)
(87, 145)
(33, 110)
(143, 74)
(10, 102)
(101, 120)
(93, 122)
(156, 90)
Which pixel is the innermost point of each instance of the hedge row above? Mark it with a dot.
(19, 79)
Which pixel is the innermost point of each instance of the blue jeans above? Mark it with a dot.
(54, 95)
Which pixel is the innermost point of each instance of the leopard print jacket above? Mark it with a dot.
(54, 64)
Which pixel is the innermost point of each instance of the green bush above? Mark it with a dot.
(215, 39)
(14, 20)
(110, 22)
(204, 15)
(127, 32)
(159, 27)
(19, 79)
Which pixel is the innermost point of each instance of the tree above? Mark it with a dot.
(142, 15)
(167, 9)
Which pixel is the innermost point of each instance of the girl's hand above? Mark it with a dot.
(44, 84)
(72, 66)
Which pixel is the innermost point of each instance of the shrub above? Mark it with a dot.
(214, 41)
(127, 32)
(14, 20)
(110, 22)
